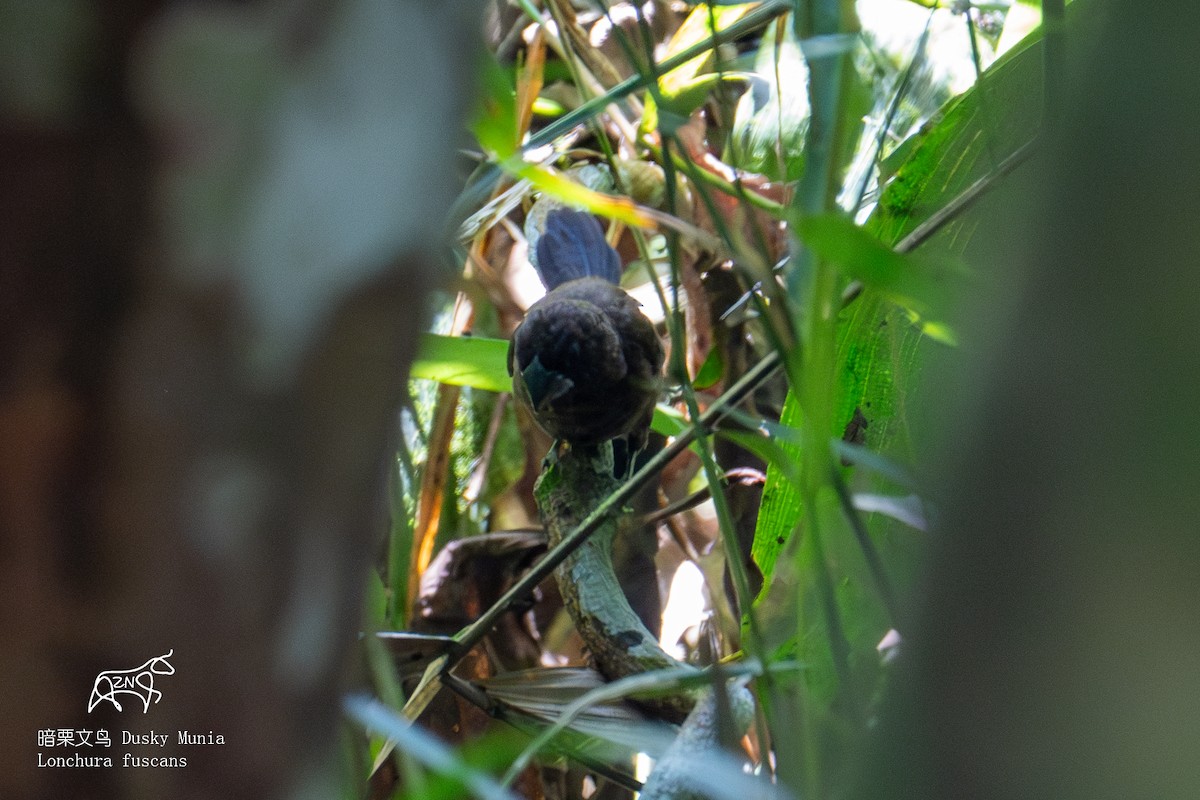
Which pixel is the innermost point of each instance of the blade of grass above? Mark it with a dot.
(813, 292)
(424, 747)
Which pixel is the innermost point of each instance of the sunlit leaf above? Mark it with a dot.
(568, 192)
(771, 119)
(464, 361)
(968, 139)
(697, 28)
(677, 86)
(779, 511)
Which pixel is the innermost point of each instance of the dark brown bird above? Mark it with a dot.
(585, 360)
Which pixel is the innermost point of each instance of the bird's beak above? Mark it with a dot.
(544, 385)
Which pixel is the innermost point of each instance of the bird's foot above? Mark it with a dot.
(625, 458)
(552, 457)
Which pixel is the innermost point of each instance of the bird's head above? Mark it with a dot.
(544, 385)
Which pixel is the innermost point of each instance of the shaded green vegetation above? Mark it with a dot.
(790, 190)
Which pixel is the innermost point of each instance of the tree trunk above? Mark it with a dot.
(220, 225)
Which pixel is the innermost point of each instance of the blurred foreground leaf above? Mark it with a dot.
(424, 747)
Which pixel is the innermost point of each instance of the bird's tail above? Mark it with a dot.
(571, 245)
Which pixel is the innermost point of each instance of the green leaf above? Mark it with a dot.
(779, 511)
(822, 574)
(924, 285)
(426, 748)
(965, 141)
(495, 121)
(562, 188)
(711, 370)
(771, 120)
(678, 86)
(689, 96)
(668, 421)
(464, 361)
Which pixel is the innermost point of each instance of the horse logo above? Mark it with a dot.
(138, 681)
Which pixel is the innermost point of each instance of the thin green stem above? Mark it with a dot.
(883, 584)
(725, 525)
(814, 295)
(898, 96)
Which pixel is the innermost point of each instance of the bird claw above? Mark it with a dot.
(617, 457)
(625, 456)
(632, 468)
(552, 457)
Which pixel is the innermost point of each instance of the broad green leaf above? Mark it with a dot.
(557, 185)
(697, 28)
(879, 348)
(880, 352)
(711, 370)
(464, 361)
(668, 421)
(810, 569)
(966, 141)
(690, 96)
(924, 285)
(779, 511)
(495, 120)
